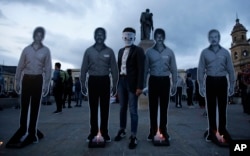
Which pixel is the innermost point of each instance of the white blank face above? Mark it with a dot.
(128, 38)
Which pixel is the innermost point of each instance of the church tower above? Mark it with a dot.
(240, 47)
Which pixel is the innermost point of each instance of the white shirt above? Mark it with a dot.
(124, 60)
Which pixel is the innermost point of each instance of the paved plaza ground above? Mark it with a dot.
(66, 133)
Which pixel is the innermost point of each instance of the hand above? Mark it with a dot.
(173, 90)
(45, 91)
(138, 92)
(202, 91)
(145, 91)
(84, 91)
(113, 91)
(231, 91)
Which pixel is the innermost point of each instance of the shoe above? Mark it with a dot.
(191, 106)
(150, 137)
(107, 138)
(63, 106)
(133, 142)
(121, 134)
(166, 136)
(90, 137)
(226, 136)
(57, 112)
(178, 106)
(69, 107)
(204, 114)
(207, 136)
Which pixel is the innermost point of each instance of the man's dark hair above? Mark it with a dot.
(69, 71)
(159, 31)
(100, 29)
(37, 30)
(129, 29)
(214, 31)
(57, 64)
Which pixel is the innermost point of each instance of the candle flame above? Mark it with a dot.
(220, 137)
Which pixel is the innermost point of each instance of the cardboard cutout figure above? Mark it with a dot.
(216, 80)
(32, 78)
(161, 66)
(99, 65)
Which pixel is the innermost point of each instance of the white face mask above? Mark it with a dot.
(128, 37)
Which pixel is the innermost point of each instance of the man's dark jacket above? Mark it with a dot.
(134, 66)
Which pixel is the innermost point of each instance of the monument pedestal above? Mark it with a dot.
(143, 100)
(145, 44)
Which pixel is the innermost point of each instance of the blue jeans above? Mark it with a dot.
(127, 99)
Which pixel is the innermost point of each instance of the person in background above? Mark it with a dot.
(32, 81)
(131, 69)
(160, 64)
(68, 86)
(99, 62)
(78, 93)
(178, 95)
(58, 87)
(243, 87)
(190, 90)
(216, 80)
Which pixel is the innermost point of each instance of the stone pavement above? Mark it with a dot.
(66, 133)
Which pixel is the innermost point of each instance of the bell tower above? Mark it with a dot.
(240, 46)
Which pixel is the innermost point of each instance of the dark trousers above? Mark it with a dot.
(30, 98)
(245, 96)
(58, 94)
(190, 96)
(178, 96)
(67, 96)
(99, 95)
(216, 97)
(158, 95)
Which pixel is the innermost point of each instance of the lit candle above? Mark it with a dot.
(220, 137)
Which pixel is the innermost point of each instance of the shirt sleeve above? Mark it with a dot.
(114, 69)
(230, 69)
(84, 69)
(201, 69)
(47, 70)
(173, 69)
(20, 67)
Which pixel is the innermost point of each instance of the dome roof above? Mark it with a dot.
(238, 26)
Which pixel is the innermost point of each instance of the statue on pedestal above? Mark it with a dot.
(146, 24)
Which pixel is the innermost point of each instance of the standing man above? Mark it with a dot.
(244, 75)
(190, 90)
(146, 24)
(99, 62)
(131, 69)
(32, 78)
(78, 92)
(216, 79)
(160, 64)
(180, 84)
(68, 86)
(58, 87)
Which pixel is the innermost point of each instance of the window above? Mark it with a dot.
(235, 55)
(242, 37)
